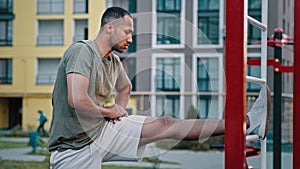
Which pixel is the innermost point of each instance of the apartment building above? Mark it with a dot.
(176, 63)
(33, 36)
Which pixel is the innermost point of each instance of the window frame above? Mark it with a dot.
(255, 56)
(79, 12)
(50, 81)
(221, 74)
(154, 57)
(50, 12)
(182, 28)
(8, 79)
(38, 35)
(221, 27)
(8, 40)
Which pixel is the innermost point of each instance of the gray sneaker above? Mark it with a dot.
(259, 114)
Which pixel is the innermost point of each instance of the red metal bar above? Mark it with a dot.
(252, 151)
(235, 86)
(276, 42)
(296, 106)
(272, 62)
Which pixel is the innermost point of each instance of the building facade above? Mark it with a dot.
(175, 63)
(34, 35)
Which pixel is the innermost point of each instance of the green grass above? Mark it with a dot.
(4, 144)
(123, 167)
(9, 164)
(12, 164)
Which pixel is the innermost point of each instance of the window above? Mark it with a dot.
(81, 30)
(168, 106)
(254, 71)
(80, 6)
(207, 74)
(130, 67)
(168, 83)
(46, 70)
(168, 21)
(208, 21)
(167, 74)
(207, 106)
(254, 10)
(6, 34)
(6, 6)
(50, 33)
(129, 5)
(5, 71)
(50, 6)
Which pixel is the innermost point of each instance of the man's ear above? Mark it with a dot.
(109, 28)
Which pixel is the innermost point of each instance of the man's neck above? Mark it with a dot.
(103, 46)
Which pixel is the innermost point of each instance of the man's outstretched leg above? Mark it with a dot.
(169, 128)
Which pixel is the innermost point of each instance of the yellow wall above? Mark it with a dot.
(31, 105)
(24, 54)
(132, 105)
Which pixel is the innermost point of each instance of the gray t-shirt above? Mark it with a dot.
(68, 129)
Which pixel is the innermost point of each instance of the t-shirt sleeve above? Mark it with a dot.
(78, 59)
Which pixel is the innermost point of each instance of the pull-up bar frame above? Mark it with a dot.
(235, 91)
(235, 111)
(296, 105)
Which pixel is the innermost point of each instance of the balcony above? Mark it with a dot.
(50, 7)
(80, 7)
(5, 80)
(50, 40)
(5, 42)
(45, 79)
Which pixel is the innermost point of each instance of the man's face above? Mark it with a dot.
(122, 34)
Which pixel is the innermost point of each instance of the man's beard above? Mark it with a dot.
(115, 48)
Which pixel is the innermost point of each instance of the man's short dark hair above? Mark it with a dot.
(113, 13)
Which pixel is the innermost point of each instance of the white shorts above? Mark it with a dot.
(117, 142)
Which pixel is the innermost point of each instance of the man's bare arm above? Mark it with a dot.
(123, 93)
(79, 99)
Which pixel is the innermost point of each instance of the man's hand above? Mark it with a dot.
(116, 113)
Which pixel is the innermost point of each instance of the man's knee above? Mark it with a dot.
(166, 121)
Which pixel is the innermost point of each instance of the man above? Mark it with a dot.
(42, 121)
(84, 132)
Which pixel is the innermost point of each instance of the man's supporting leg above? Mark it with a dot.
(169, 128)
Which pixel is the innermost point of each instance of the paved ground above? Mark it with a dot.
(184, 159)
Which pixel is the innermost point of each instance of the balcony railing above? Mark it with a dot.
(78, 38)
(80, 6)
(5, 80)
(47, 79)
(5, 42)
(50, 40)
(50, 7)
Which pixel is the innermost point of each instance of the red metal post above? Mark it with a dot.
(296, 106)
(235, 86)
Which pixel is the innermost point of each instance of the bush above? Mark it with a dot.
(184, 145)
(192, 113)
